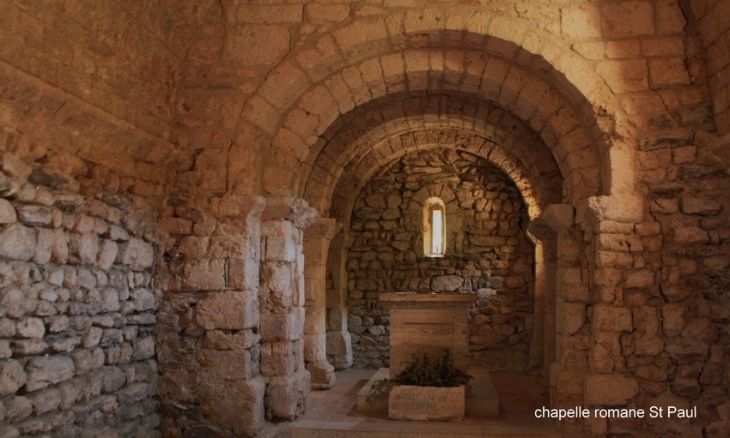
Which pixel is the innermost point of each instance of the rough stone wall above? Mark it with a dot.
(487, 252)
(231, 322)
(713, 24)
(677, 291)
(77, 313)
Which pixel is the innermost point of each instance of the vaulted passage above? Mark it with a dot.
(201, 205)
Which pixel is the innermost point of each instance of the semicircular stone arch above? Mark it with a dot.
(519, 92)
(528, 84)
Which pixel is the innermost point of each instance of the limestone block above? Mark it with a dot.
(227, 311)
(228, 246)
(581, 22)
(46, 400)
(446, 283)
(419, 403)
(107, 254)
(279, 237)
(44, 371)
(618, 208)
(83, 361)
(7, 212)
(59, 249)
(18, 408)
(112, 379)
(44, 246)
(278, 358)
(204, 274)
(12, 377)
(84, 247)
(30, 328)
(225, 403)
(700, 330)
(675, 294)
(339, 348)
(34, 215)
(628, 19)
(143, 299)
(285, 395)
(610, 390)
(92, 338)
(226, 340)
(224, 365)
(137, 254)
(609, 318)
(283, 326)
(243, 274)
(17, 242)
(690, 236)
(144, 348)
(571, 316)
(639, 278)
(133, 393)
(277, 281)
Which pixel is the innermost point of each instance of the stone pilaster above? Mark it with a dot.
(610, 224)
(281, 301)
(317, 240)
(339, 341)
(208, 323)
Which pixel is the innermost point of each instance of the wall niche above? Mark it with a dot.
(487, 252)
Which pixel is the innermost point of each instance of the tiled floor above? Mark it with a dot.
(331, 413)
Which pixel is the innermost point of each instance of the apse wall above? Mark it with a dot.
(487, 253)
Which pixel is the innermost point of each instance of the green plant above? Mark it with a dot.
(423, 372)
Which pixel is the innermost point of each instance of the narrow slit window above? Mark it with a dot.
(434, 236)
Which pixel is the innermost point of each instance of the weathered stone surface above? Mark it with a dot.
(609, 318)
(30, 328)
(17, 242)
(112, 379)
(418, 403)
(44, 371)
(7, 212)
(205, 275)
(227, 311)
(226, 402)
(17, 409)
(46, 400)
(12, 377)
(610, 390)
(446, 283)
(137, 254)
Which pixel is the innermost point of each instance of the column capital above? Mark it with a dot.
(323, 228)
(616, 208)
(294, 210)
(555, 218)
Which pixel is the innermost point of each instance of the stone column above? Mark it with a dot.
(339, 342)
(317, 240)
(282, 301)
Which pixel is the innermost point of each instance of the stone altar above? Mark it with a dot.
(431, 323)
(428, 324)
